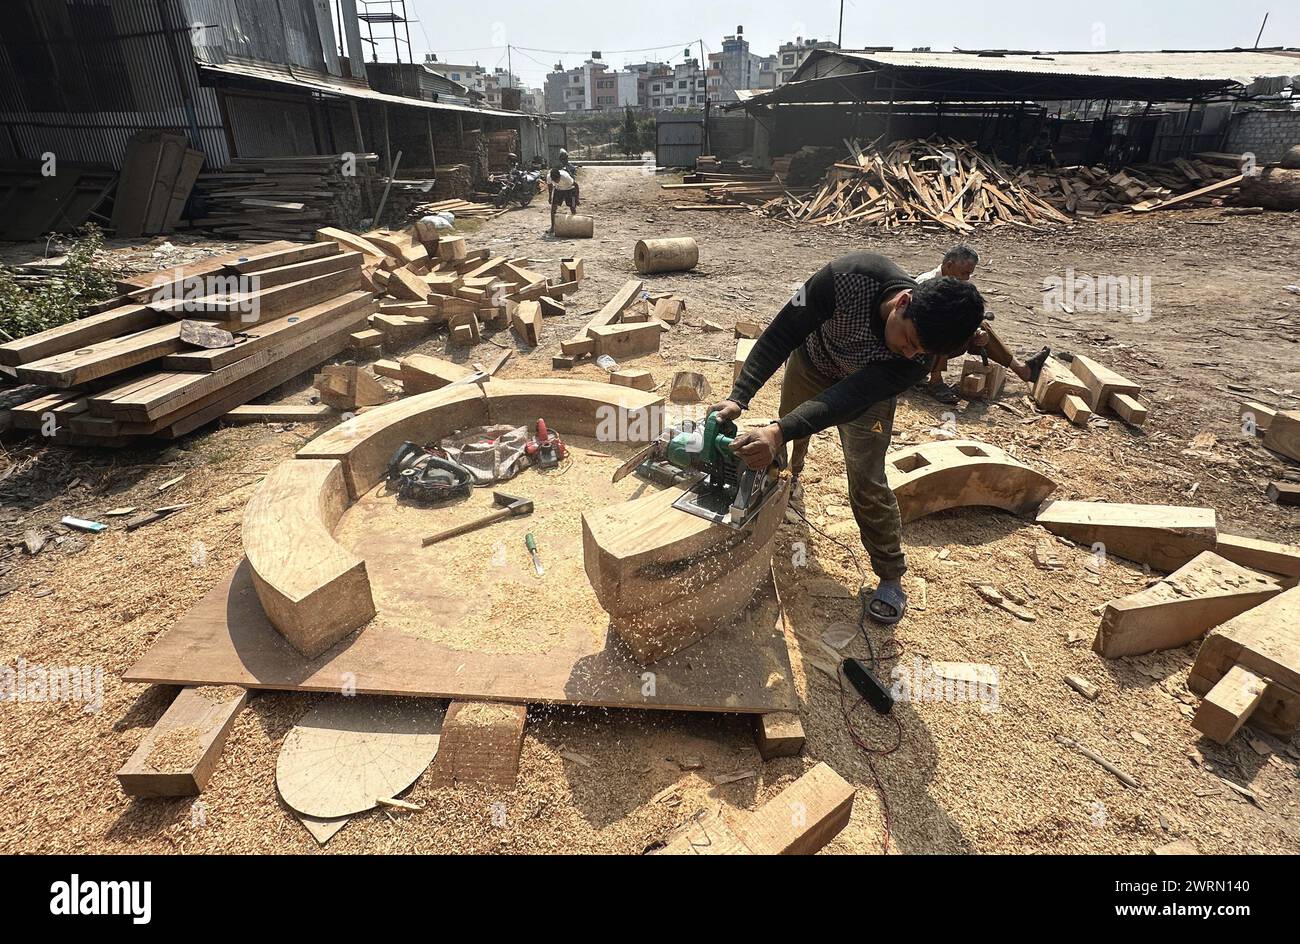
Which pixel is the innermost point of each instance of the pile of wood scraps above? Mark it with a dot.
(934, 183)
(283, 197)
(1095, 191)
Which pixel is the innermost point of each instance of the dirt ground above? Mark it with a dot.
(964, 777)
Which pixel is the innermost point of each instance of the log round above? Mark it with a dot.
(1273, 188)
(670, 254)
(572, 226)
(1291, 159)
(961, 473)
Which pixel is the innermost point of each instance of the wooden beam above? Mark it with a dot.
(1164, 536)
(1204, 592)
(178, 755)
(779, 734)
(1270, 556)
(1229, 704)
(1283, 434)
(1102, 383)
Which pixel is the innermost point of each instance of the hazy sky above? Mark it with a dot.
(569, 30)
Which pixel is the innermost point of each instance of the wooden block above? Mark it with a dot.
(626, 340)
(636, 313)
(1128, 409)
(177, 757)
(444, 283)
(1283, 434)
(368, 338)
(1102, 382)
(1164, 536)
(386, 368)
(346, 388)
(749, 329)
(462, 334)
(421, 373)
(1256, 417)
(1055, 383)
(578, 347)
(527, 322)
(399, 330)
(668, 310)
(450, 307)
(403, 283)
(571, 270)
(1269, 556)
(993, 375)
(1229, 704)
(550, 307)
(468, 319)
(1181, 608)
(779, 734)
(1283, 493)
(452, 249)
(639, 379)
(800, 820)
(350, 241)
(1076, 409)
(561, 362)
(689, 387)
(743, 347)
(479, 745)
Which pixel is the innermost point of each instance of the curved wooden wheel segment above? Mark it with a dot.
(314, 591)
(962, 473)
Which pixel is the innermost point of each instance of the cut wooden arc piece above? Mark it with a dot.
(667, 577)
(481, 742)
(1229, 704)
(348, 754)
(1266, 641)
(962, 473)
(1206, 591)
(1164, 536)
(365, 443)
(177, 757)
(314, 592)
(800, 820)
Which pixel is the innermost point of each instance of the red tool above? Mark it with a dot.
(546, 449)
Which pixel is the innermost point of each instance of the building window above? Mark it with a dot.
(788, 59)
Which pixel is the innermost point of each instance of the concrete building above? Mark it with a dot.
(737, 67)
(790, 56)
(684, 87)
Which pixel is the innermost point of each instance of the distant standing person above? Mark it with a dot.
(563, 191)
(571, 169)
(959, 263)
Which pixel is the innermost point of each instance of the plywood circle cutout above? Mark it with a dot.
(346, 754)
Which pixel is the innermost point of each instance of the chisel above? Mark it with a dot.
(530, 542)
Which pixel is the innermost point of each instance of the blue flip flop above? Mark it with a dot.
(891, 595)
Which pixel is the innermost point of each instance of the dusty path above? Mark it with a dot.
(962, 778)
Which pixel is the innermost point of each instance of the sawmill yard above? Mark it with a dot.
(1109, 762)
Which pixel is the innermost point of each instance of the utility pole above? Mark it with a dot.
(1261, 30)
(840, 39)
(705, 69)
(510, 69)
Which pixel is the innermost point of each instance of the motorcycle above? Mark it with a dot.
(516, 186)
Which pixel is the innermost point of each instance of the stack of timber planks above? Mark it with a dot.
(935, 183)
(138, 367)
(282, 197)
(1095, 191)
(158, 172)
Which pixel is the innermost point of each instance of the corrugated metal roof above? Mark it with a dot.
(1242, 67)
(331, 85)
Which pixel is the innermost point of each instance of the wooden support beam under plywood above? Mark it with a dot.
(480, 745)
(178, 755)
(800, 820)
(779, 734)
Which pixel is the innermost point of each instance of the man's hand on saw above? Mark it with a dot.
(759, 446)
(726, 409)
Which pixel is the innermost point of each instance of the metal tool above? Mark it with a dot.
(729, 492)
(546, 449)
(530, 542)
(422, 475)
(513, 507)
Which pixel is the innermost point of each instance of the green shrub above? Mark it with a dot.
(80, 282)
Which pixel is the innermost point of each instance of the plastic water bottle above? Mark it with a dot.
(607, 362)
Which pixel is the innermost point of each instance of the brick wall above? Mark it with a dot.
(1266, 134)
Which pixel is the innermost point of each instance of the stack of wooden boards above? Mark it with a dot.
(283, 197)
(461, 209)
(938, 183)
(158, 172)
(139, 365)
(1095, 191)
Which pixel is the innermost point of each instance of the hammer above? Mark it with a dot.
(512, 507)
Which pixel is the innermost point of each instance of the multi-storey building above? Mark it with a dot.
(472, 77)
(790, 56)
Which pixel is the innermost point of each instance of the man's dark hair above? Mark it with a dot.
(555, 174)
(946, 313)
(962, 255)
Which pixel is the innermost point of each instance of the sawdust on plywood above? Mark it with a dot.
(477, 592)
